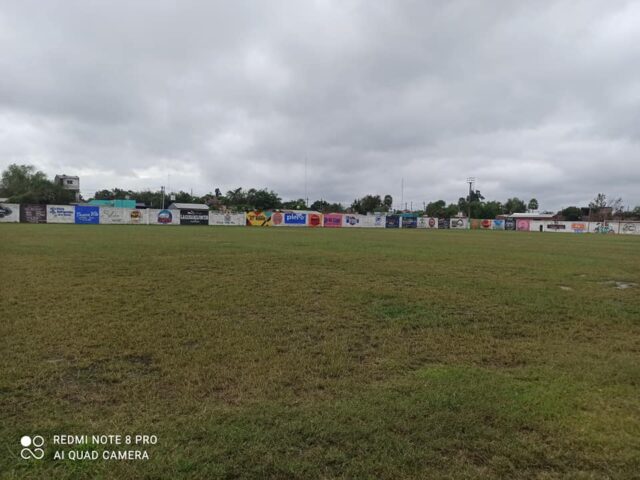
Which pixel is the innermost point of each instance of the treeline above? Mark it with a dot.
(23, 184)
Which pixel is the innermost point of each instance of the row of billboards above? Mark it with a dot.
(89, 214)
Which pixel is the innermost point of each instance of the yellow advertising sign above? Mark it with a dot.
(258, 219)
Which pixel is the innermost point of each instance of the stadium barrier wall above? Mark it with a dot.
(61, 214)
(228, 219)
(91, 214)
(9, 212)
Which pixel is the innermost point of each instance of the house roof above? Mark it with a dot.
(189, 206)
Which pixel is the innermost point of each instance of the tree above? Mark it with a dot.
(367, 204)
(572, 214)
(436, 209)
(388, 202)
(24, 184)
(451, 211)
(514, 205)
(326, 207)
(533, 205)
(298, 204)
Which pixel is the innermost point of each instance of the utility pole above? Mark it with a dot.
(162, 191)
(470, 181)
(306, 193)
(402, 193)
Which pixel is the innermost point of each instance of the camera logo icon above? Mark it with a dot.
(32, 447)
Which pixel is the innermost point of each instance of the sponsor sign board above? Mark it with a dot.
(33, 213)
(9, 212)
(87, 214)
(333, 220)
(258, 219)
(229, 219)
(392, 221)
(192, 216)
(458, 223)
(409, 222)
(61, 214)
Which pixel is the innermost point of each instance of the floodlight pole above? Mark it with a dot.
(470, 181)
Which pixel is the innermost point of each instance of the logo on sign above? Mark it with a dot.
(295, 218)
(351, 220)
(165, 216)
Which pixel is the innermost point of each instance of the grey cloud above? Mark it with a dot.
(534, 99)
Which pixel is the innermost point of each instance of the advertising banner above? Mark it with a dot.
(314, 220)
(295, 219)
(333, 220)
(192, 216)
(163, 217)
(228, 219)
(114, 216)
(409, 222)
(443, 223)
(259, 219)
(630, 228)
(427, 222)
(138, 216)
(392, 221)
(475, 224)
(376, 220)
(61, 214)
(510, 224)
(123, 216)
(33, 213)
(497, 224)
(86, 215)
(458, 223)
(352, 220)
(578, 227)
(522, 224)
(9, 212)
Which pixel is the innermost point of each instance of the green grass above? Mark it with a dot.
(311, 353)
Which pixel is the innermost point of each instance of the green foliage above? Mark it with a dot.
(326, 207)
(299, 204)
(533, 204)
(368, 204)
(514, 205)
(572, 213)
(436, 209)
(23, 184)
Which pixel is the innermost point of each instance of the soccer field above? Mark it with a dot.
(321, 353)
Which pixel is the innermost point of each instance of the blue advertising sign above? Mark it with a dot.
(295, 218)
(392, 221)
(87, 214)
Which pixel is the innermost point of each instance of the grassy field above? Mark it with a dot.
(299, 353)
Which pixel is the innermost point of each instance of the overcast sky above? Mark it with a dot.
(534, 99)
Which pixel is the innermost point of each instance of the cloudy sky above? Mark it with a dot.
(535, 99)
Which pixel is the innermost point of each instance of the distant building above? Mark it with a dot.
(69, 182)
